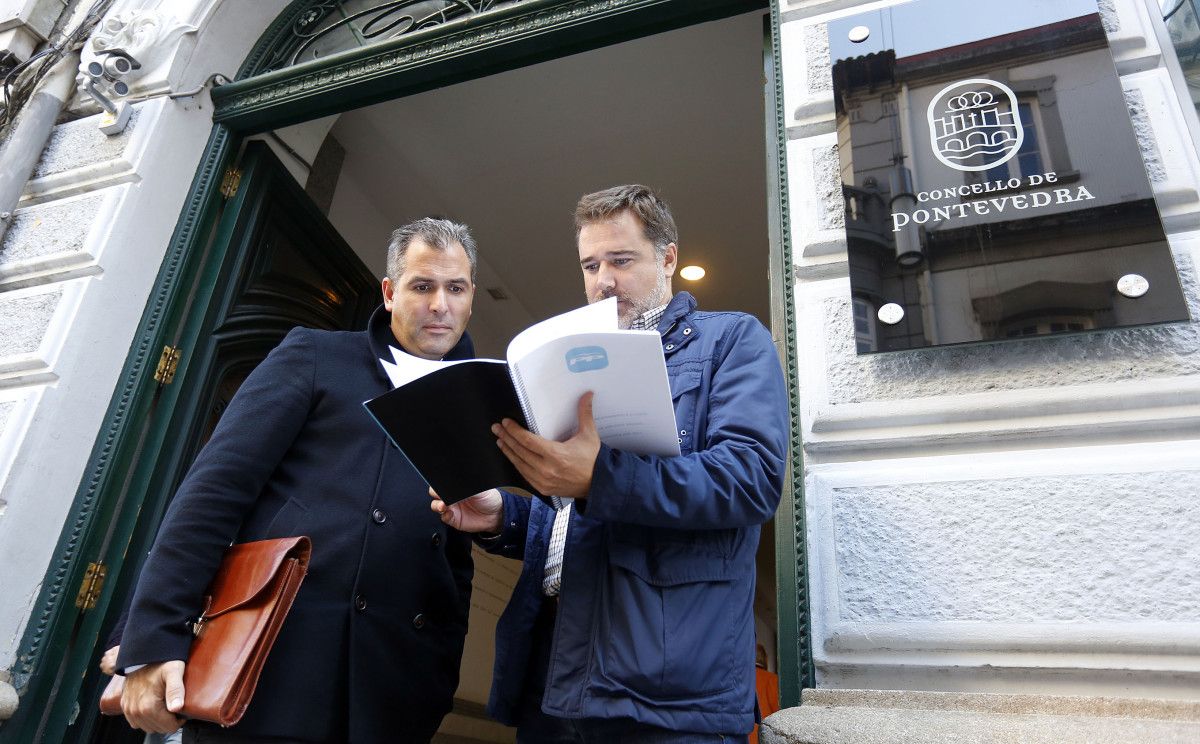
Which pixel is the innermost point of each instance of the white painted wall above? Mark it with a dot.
(999, 517)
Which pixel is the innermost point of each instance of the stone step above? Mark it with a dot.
(902, 717)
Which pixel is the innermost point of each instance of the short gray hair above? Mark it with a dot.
(436, 232)
(657, 223)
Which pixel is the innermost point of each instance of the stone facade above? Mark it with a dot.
(76, 270)
(998, 516)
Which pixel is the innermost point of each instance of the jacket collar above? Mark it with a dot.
(681, 304)
(674, 326)
(380, 336)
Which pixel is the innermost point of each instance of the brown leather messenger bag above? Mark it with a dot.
(247, 602)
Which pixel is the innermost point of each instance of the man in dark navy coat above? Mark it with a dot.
(370, 651)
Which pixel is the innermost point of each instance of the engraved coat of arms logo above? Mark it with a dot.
(975, 124)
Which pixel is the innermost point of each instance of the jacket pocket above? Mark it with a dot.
(685, 390)
(670, 615)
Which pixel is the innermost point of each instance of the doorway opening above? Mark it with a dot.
(683, 111)
(509, 154)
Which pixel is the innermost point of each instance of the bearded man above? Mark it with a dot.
(632, 619)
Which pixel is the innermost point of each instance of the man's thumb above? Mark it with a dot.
(173, 674)
(586, 422)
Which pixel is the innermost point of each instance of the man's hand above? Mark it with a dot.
(152, 697)
(108, 662)
(553, 468)
(483, 512)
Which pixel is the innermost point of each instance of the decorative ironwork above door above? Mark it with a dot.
(322, 57)
(331, 26)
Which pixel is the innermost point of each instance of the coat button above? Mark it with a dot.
(419, 621)
(379, 515)
(687, 331)
(436, 540)
(670, 346)
(360, 603)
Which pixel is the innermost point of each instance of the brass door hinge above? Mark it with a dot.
(93, 584)
(230, 182)
(165, 373)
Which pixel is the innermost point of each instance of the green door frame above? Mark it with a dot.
(794, 661)
(105, 521)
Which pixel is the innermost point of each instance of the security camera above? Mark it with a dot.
(106, 72)
(119, 65)
(113, 65)
(118, 62)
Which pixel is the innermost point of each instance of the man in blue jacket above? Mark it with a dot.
(632, 619)
(371, 648)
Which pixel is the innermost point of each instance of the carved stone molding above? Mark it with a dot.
(56, 590)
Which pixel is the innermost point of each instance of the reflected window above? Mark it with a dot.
(864, 325)
(1183, 25)
(1044, 326)
(1028, 161)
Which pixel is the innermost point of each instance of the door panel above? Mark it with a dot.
(284, 266)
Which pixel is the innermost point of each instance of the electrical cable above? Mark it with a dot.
(19, 86)
(1173, 11)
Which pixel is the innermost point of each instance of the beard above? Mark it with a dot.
(636, 306)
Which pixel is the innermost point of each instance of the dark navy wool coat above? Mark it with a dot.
(370, 651)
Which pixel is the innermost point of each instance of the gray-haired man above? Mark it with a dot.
(371, 648)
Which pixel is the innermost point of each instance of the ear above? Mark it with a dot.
(388, 290)
(670, 259)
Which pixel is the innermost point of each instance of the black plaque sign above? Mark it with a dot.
(993, 185)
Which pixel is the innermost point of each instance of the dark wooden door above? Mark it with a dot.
(284, 266)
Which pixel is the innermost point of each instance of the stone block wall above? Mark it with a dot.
(52, 271)
(1018, 515)
(77, 270)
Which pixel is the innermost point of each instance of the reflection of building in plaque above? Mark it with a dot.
(993, 185)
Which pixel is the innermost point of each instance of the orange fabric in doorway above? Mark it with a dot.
(767, 684)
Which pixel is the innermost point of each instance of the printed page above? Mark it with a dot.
(598, 316)
(626, 371)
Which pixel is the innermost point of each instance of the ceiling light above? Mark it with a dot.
(692, 273)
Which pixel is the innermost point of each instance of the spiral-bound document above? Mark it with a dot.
(440, 414)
